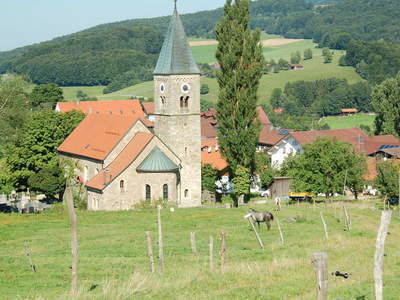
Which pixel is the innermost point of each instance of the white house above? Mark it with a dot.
(283, 149)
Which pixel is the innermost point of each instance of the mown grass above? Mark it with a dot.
(341, 122)
(113, 255)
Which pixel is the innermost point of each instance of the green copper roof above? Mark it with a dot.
(176, 56)
(157, 161)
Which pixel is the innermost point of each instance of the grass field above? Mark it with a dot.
(91, 91)
(340, 122)
(313, 69)
(113, 255)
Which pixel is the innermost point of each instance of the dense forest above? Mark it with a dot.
(94, 58)
(103, 54)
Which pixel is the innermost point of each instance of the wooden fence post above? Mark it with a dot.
(74, 243)
(323, 222)
(379, 253)
(211, 250)
(347, 219)
(150, 251)
(320, 263)
(193, 242)
(280, 231)
(256, 233)
(223, 250)
(28, 253)
(160, 240)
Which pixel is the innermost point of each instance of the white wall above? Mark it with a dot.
(281, 151)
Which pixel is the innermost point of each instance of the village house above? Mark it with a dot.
(120, 160)
(294, 142)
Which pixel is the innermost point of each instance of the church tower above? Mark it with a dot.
(177, 109)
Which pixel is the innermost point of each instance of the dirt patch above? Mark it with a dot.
(266, 43)
(202, 43)
(279, 42)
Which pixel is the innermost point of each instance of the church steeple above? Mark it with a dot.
(176, 56)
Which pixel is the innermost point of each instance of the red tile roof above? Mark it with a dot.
(210, 142)
(214, 159)
(113, 107)
(374, 143)
(148, 108)
(362, 143)
(270, 135)
(207, 129)
(148, 123)
(262, 116)
(97, 135)
(123, 160)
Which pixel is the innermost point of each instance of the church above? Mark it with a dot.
(123, 161)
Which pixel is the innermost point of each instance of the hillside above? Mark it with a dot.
(104, 62)
(91, 58)
(314, 69)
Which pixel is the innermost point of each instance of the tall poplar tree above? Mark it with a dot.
(241, 59)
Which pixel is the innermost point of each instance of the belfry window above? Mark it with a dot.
(148, 192)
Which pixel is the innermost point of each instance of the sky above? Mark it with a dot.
(24, 22)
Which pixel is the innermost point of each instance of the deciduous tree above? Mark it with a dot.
(386, 102)
(323, 166)
(46, 95)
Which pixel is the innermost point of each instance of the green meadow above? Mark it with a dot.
(341, 122)
(113, 263)
(313, 69)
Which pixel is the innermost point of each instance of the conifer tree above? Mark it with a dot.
(241, 59)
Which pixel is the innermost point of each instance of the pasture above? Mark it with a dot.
(113, 262)
(342, 122)
(313, 69)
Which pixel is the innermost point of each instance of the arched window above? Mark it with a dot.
(165, 191)
(148, 192)
(122, 185)
(186, 193)
(182, 102)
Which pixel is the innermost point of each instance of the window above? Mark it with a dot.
(122, 185)
(184, 102)
(186, 193)
(148, 192)
(165, 191)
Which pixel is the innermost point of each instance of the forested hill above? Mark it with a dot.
(98, 54)
(92, 58)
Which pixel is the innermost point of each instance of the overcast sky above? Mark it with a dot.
(24, 22)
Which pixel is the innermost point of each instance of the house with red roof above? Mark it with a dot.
(294, 142)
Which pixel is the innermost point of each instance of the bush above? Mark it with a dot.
(204, 90)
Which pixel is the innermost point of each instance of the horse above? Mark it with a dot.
(260, 217)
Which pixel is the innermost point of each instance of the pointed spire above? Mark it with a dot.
(176, 56)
